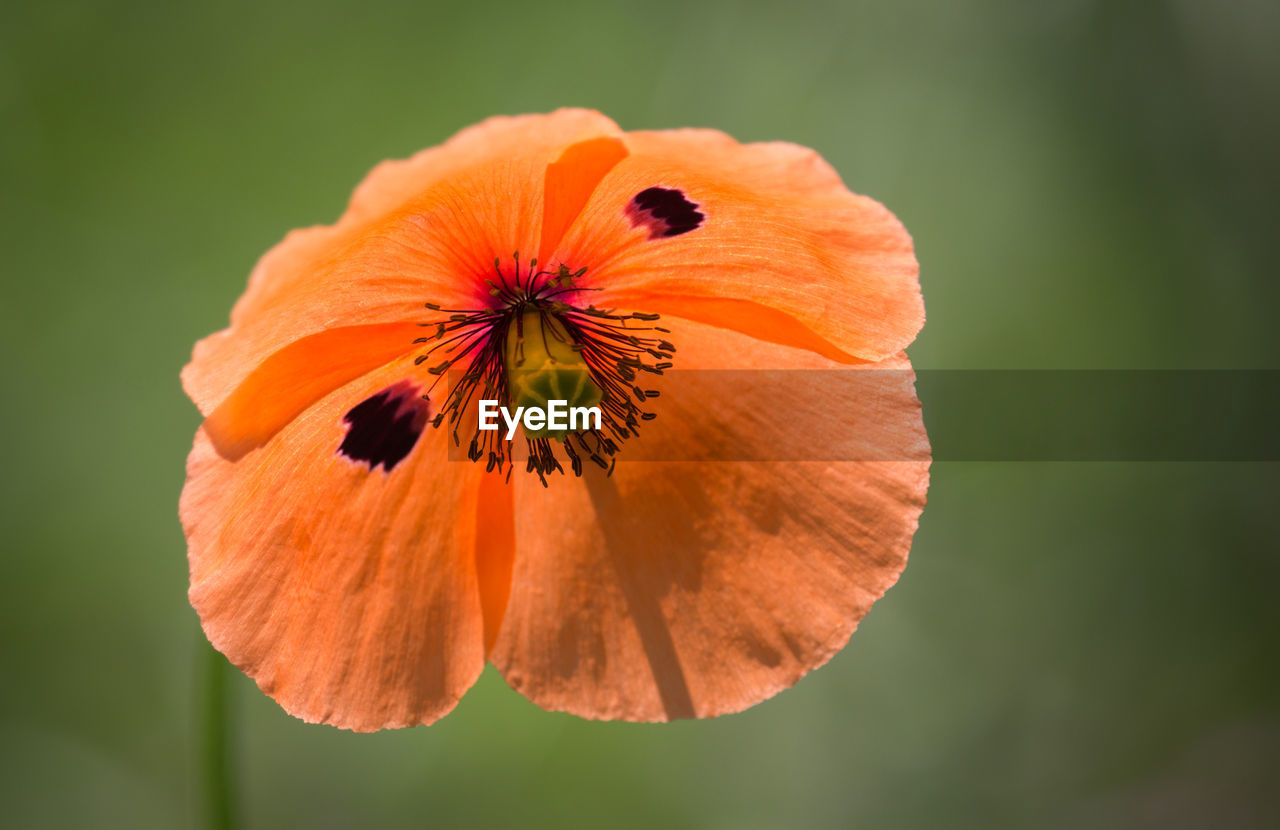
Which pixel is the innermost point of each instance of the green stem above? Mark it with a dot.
(216, 740)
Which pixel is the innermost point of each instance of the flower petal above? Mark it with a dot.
(692, 219)
(425, 229)
(495, 551)
(294, 378)
(335, 565)
(570, 181)
(686, 589)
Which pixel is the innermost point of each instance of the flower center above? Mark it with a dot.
(544, 364)
(533, 346)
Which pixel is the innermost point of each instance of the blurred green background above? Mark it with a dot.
(1090, 184)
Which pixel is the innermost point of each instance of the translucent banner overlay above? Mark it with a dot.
(869, 414)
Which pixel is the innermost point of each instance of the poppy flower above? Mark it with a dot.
(361, 549)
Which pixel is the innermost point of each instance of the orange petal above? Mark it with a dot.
(350, 593)
(297, 376)
(685, 589)
(495, 140)
(426, 229)
(570, 181)
(495, 552)
(779, 230)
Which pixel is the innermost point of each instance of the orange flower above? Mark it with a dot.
(362, 573)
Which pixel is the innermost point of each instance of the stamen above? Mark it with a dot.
(533, 346)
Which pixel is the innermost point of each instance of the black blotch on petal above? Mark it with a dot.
(383, 428)
(665, 211)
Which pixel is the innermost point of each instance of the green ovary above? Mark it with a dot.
(542, 365)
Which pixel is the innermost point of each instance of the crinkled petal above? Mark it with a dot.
(349, 591)
(778, 249)
(696, 588)
(426, 229)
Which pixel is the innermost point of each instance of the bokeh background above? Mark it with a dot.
(1091, 184)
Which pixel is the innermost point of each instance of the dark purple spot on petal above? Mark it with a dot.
(383, 428)
(664, 211)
